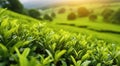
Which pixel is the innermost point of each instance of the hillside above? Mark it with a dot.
(25, 41)
(98, 28)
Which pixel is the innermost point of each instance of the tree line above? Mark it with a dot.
(16, 6)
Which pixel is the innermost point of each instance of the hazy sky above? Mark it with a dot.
(24, 1)
(32, 3)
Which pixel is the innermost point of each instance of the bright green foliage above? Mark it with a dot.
(23, 57)
(24, 43)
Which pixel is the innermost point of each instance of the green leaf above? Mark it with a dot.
(99, 64)
(85, 57)
(23, 61)
(76, 53)
(3, 47)
(9, 32)
(53, 46)
(64, 63)
(117, 54)
(70, 50)
(18, 53)
(49, 53)
(33, 62)
(86, 63)
(59, 54)
(2, 10)
(26, 52)
(47, 60)
(78, 63)
(5, 23)
(22, 57)
(5, 50)
(73, 60)
(19, 44)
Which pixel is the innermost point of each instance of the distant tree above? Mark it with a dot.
(83, 12)
(93, 17)
(13, 5)
(115, 18)
(71, 16)
(34, 13)
(53, 14)
(62, 10)
(16, 6)
(107, 13)
(47, 17)
(2, 2)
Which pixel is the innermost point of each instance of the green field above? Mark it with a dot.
(96, 28)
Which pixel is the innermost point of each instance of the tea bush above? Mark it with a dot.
(53, 14)
(47, 17)
(71, 16)
(34, 13)
(115, 18)
(93, 17)
(61, 10)
(106, 14)
(83, 12)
